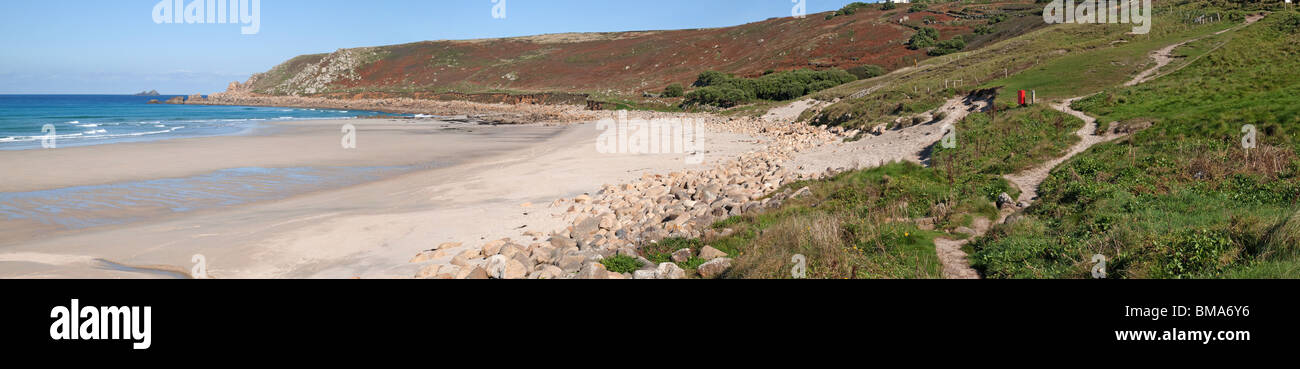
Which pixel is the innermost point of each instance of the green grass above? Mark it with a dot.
(622, 264)
(1082, 73)
(1058, 61)
(1181, 199)
(1020, 139)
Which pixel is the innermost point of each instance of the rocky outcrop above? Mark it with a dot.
(496, 113)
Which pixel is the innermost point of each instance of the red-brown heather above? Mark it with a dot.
(624, 63)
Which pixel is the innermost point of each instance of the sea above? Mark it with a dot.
(26, 121)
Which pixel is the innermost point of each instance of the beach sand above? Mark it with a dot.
(453, 183)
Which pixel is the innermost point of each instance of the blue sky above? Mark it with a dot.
(114, 46)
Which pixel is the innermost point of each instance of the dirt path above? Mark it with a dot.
(790, 112)
(1165, 56)
(1028, 180)
(956, 264)
(907, 144)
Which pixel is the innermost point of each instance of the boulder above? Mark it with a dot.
(563, 243)
(644, 274)
(586, 228)
(669, 271)
(428, 272)
(571, 261)
(1005, 201)
(543, 254)
(494, 247)
(472, 273)
(548, 272)
(424, 256)
(593, 271)
(502, 267)
(460, 261)
(710, 253)
(447, 272)
(681, 256)
(714, 268)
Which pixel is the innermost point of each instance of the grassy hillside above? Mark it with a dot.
(625, 65)
(1175, 200)
(1183, 198)
(1060, 61)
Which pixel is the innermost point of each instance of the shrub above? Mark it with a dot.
(917, 7)
(710, 78)
(674, 90)
(724, 90)
(924, 37)
(1289, 23)
(1192, 254)
(622, 264)
(866, 71)
(948, 47)
(725, 97)
(888, 5)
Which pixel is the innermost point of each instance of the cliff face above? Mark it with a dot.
(623, 63)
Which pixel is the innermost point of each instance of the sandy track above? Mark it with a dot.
(907, 144)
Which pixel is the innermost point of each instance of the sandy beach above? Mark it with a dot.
(433, 182)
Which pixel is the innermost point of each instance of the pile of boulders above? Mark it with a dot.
(620, 219)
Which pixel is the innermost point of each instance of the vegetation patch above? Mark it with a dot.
(622, 264)
(724, 90)
(1183, 198)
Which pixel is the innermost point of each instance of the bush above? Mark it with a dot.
(917, 7)
(723, 90)
(1289, 23)
(924, 37)
(710, 78)
(724, 97)
(867, 71)
(622, 264)
(888, 5)
(674, 90)
(948, 47)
